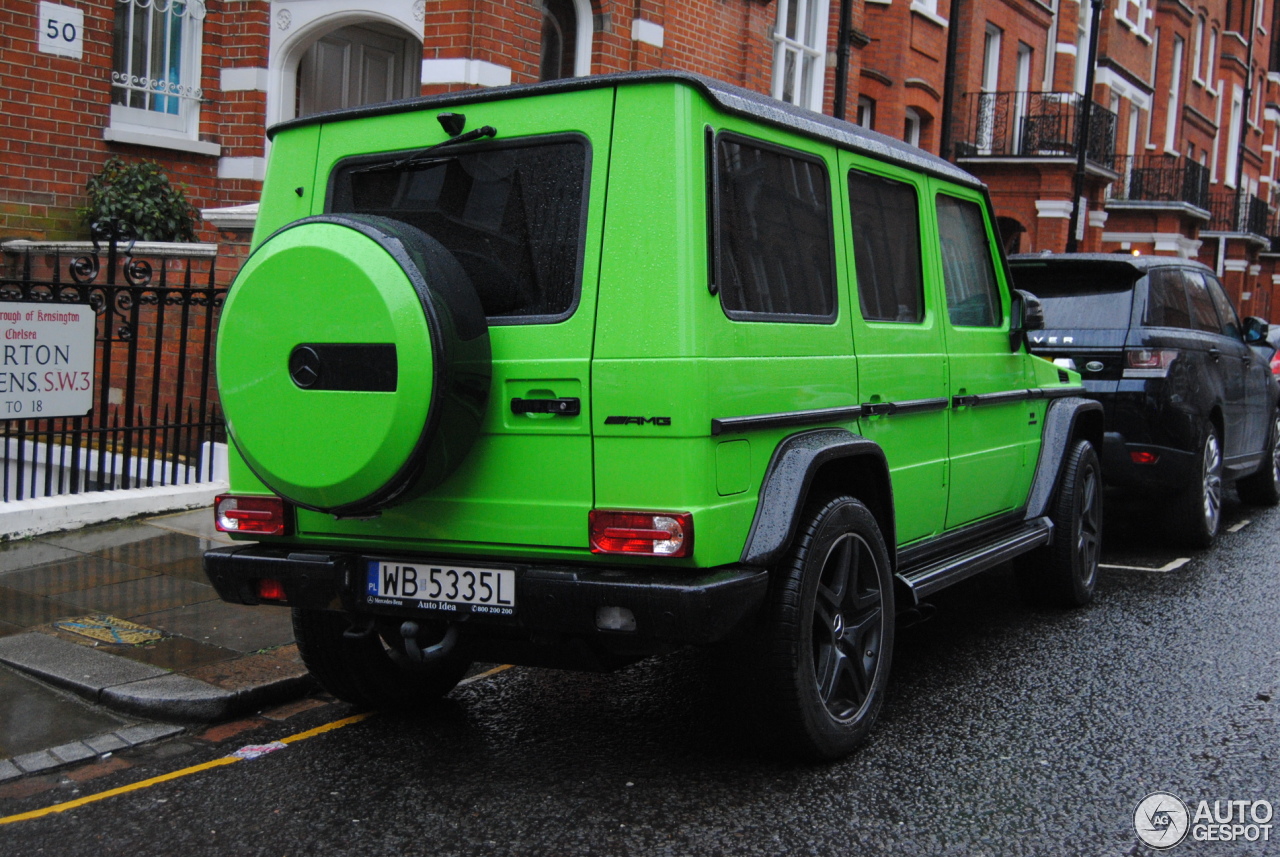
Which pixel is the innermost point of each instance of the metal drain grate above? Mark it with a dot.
(109, 629)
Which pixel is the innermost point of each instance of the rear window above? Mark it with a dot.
(512, 215)
(1081, 297)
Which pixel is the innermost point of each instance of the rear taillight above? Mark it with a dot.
(1143, 457)
(270, 589)
(262, 516)
(1275, 363)
(1148, 362)
(668, 534)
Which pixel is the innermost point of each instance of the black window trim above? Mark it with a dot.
(922, 194)
(483, 145)
(713, 239)
(994, 256)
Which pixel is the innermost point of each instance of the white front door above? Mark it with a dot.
(357, 65)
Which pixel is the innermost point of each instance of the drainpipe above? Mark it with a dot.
(843, 47)
(949, 79)
(1244, 110)
(1082, 139)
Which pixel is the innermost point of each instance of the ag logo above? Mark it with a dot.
(1161, 820)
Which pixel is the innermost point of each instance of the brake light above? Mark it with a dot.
(1149, 362)
(668, 534)
(262, 516)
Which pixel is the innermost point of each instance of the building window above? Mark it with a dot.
(866, 112)
(1211, 60)
(1175, 98)
(799, 59)
(156, 69)
(559, 39)
(911, 127)
(1197, 63)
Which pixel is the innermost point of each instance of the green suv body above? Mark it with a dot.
(575, 373)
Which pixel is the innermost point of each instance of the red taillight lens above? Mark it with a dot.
(668, 534)
(1148, 362)
(262, 516)
(1144, 457)
(1275, 364)
(271, 590)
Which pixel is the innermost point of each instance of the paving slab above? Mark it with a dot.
(8, 770)
(229, 626)
(75, 751)
(41, 760)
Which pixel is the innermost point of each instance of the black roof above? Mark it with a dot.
(1138, 264)
(729, 98)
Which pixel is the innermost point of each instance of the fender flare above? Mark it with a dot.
(1064, 419)
(789, 478)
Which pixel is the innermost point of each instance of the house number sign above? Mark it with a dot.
(60, 30)
(46, 360)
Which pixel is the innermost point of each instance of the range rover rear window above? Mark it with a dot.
(512, 214)
(1085, 298)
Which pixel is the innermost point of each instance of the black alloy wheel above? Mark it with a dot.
(1064, 573)
(1195, 515)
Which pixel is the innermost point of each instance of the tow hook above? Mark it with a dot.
(410, 630)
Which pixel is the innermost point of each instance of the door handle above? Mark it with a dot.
(1215, 353)
(570, 407)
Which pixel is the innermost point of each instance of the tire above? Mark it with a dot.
(1263, 488)
(358, 342)
(1196, 514)
(829, 633)
(1065, 572)
(367, 672)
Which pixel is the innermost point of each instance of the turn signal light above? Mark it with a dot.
(262, 516)
(667, 534)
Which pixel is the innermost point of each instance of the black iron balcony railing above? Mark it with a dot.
(1035, 125)
(1161, 178)
(1237, 211)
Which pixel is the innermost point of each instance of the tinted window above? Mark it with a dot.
(773, 233)
(973, 296)
(1078, 296)
(886, 248)
(512, 216)
(1203, 315)
(1226, 312)
(1166, 300)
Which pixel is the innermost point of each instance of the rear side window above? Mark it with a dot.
(1226, 312)
(1082, 297)
(774, 251)
(1166, 300)
(973, 296)
(886, 248)
(1203, 315)
(513, 216)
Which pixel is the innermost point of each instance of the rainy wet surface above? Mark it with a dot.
(34, 717)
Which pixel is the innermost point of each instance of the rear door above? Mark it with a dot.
(1254, 370)
(523, 214)
(995, 433)
(1226, 361)
(897, 331)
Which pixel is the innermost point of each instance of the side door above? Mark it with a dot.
(994, 431)
(1226, 362)
(897, 332)
(1256, 371)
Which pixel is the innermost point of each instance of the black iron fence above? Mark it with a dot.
(155, 416)
(1161, 178)
(1237, 211)
(1035, 125)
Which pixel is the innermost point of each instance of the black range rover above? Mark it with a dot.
(1185, 385)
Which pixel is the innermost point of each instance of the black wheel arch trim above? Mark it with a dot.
(790, 476)
(1064, 419)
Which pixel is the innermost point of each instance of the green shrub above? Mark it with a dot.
(138, 199)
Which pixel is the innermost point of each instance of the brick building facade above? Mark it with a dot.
(1181, 156)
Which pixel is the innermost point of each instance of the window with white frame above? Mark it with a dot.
(1211, 59)
(911, 127)
(866, 112)
(799, 60)
(155, 76)
(1132, 12)
(1198, 57)
(1175, 97)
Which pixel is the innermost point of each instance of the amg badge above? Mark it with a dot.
(637, 421)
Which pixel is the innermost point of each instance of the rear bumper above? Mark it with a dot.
(671, 606)
(1174, 469)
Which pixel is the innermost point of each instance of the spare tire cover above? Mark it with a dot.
(353, 363)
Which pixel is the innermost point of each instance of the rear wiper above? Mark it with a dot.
(482, 131)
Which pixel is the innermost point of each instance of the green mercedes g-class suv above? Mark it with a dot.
(574, 373)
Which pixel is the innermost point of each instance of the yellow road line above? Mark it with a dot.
(164, 778)
(479, 676)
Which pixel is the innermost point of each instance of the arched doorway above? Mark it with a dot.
(358, 64)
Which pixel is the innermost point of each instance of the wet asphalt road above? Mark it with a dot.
(1008, 731)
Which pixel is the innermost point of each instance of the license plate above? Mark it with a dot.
(437, 586)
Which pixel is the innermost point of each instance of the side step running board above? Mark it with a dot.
(936, 573)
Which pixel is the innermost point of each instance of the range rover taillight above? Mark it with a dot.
(262, 516)
(1148, 362)
(667, 534)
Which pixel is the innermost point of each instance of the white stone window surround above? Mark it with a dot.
(146, 127)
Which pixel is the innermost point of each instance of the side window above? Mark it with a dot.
(973, 294)
(1226, 312)
(885, 217)
(1203, 315)
(1166, 300)
(774, 251)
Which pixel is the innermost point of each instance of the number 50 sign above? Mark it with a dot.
(61, 30)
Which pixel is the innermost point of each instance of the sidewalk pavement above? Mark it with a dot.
(123, 616)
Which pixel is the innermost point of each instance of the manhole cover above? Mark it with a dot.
(109, 629)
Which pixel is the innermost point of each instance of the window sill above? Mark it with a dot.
(928, 14)
(137, 137)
